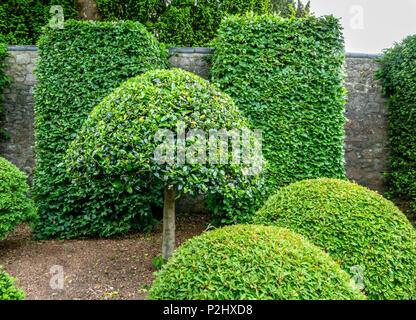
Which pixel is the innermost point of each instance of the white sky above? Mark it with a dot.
(370, 25)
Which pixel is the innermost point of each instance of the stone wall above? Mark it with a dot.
(17, 116)
(366, 140)
(191, 59)
(366, 128)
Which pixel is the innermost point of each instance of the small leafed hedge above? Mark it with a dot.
(356, 226)
(80, 65)
(397, 74)
(286, 76)
(4, 80)
(245, 262)
(7, 290)
(15, 206)
(117, 143)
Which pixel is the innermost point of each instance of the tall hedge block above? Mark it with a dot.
(398, 76)
(4, 80)
(286, 75)
(79, 65)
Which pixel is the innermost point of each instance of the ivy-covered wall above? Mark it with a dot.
(366, 131)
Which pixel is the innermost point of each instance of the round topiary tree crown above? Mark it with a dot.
(367, 234)
(154, 129)
(245, 262)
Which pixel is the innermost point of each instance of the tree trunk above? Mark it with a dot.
(168, 241)
(87, 10)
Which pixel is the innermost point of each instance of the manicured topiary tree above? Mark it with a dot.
(15, 206)
(144, 133)
(357, 227)
(7, 290)
(244, 262)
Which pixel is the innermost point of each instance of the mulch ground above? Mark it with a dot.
(94, 269)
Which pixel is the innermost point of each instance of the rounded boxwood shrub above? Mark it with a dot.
(251, 262)
(7, 290)
(15, 206)
(356, 226)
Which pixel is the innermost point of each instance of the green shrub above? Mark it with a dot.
(117, 143)
(7, 290)
(15, 206)
(21, 21)
(286, 76)
(245, 262)
(397, 74)
(80, 65)
(4, 80)
(356, 226)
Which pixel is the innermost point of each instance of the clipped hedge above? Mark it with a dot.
(286, 75)
(191, 23)
(245, 262)
(78, 67)
(4, 80)
(15, 206)
(397, 74)
(21, 21)
(7, 290)
(117, 141)
(356, 226)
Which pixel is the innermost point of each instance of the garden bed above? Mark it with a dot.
(94, 269)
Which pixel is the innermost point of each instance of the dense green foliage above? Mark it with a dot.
(117, 142)
(245, 262)
(286, 75)
(398, 77)
(4, 80)
(21, 21)
(78, 67)
(15, 206)
(356, 226)
(190, 22)
(7, 290)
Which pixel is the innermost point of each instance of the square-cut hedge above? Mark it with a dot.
(4, 80)
(287, 76)
(79, 65)
(397, 74)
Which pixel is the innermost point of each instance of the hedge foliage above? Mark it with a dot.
(7, 290)
(356, 226)
(21, 21)
(4, 80)
(286, 75)
(397, 74)
(245, 262)
(15, 206)
(78, 67)
(117, 141)
(189, 22)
